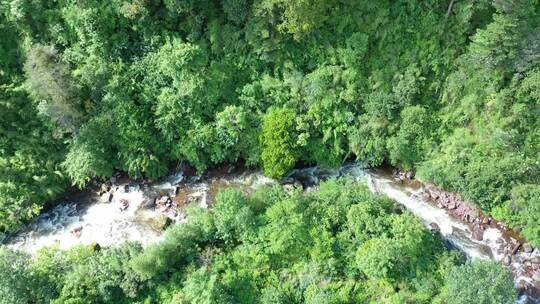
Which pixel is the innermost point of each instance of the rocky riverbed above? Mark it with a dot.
(507, 245)
(121, 210)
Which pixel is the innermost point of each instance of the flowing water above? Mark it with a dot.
(92, 221)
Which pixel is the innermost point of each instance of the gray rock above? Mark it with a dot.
(527, 248)
(164, 200)
(107, 197)
(149, 202)
(434, 227)
(536, 276)
(409, 175)
(478, 233)
(124, 204)
(77, 232)
(105, 188)
(507, 260)
(160, 222)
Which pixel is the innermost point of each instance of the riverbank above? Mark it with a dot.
(510, 247)
(124, 210)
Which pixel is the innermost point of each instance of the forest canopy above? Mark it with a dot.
(342, 244)
(447, 88)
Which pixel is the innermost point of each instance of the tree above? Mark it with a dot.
(483, 282)
(278, 145)
(91, 152)
(413, 140)
(50, 84)
(234, 218)
(15, 277)
(299, 18)
(29, 161)
(523, 210)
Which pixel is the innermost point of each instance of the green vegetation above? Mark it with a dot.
(89, 88)
(448, 88)
(341, 244)
(482, 281)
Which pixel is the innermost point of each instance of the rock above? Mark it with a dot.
(107, 197)
(124, 204)
(164, 200)
(288, 188)
(452, 205)
(507, 260)
(105, 188)
(126, 188)
(535, 260)
(112, 179)
(161, 222)
(149, 202)
(478, 233)
(527, 248)
(77, 232)
(176, 190)
(409, 175)
(518, 259)
(434, 227)
(95, 246)
(536, 276)
(486, 221)
(516, 248)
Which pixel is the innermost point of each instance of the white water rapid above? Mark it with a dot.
(93, 221)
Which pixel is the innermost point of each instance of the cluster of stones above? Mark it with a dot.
(460, 209)
(107, 189)
(171, 204)
(522, 257)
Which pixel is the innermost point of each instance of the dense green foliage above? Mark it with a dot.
(485, 282)
(92, 87)
(340, 244)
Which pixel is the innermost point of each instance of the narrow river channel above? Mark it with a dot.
(134, 212)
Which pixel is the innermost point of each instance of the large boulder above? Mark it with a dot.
(160, 222)
(478, 233)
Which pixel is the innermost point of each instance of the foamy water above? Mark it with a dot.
(107, 225)
(74, 223)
